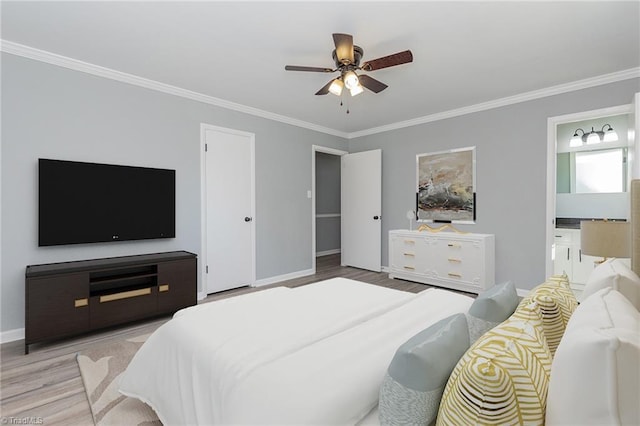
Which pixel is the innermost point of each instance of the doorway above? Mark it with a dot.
(326, 209)
(228, 209)
(360, 207)
(554, 125)
(327, 191)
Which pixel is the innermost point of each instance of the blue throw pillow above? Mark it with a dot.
(414, 383)
(490, 308)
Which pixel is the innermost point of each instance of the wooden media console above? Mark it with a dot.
(70, 298)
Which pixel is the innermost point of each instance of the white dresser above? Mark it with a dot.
(447, 259)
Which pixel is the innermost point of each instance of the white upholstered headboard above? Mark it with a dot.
(635, 225)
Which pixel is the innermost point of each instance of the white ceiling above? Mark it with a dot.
(465, 53)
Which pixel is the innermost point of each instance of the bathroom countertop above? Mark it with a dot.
(574, 222)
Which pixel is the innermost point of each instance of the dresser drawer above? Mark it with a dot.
(460, 260)
(118, 308)
(565, 236)
(406, 253)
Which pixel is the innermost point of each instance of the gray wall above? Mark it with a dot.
(53, 112)
(327, 201)
(511, 155)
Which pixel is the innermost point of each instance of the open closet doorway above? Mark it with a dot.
(325, 202)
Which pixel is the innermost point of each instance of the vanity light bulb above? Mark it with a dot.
(593, 138)
(575, 141)
(610, 136)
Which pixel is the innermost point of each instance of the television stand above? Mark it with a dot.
(71, 298)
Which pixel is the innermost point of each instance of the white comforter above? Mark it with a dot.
(311, 355)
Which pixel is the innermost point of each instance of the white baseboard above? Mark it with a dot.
(328, 252)
(385, 269)
(279, 278)
(202, 295)
(12, 335)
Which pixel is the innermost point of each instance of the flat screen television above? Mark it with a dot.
(91, 203)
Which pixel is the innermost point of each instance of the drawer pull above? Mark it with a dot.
(451, 259)
(78, 303)
(125, 295)
(409, 241)
(451, 274)
(163, 287)
(409, 254)
(454, 245)
(411, 268)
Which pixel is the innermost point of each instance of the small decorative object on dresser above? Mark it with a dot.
(70, 298)
(458, 261)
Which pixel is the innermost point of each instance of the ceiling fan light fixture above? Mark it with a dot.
(356, 90)
(347, 57)
(336, 87)
(350, 80)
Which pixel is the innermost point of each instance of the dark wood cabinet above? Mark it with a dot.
(69, 298)
(57, 306)
(171, 295)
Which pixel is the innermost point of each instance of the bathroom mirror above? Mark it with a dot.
(592, 171)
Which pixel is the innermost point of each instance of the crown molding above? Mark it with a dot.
(510, 100)
(76, 65)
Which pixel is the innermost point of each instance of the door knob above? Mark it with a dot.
(376, 217)
(247, 219)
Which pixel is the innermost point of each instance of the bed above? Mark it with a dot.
(330, 352)
(315, 354)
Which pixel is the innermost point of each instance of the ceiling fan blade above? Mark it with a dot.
(325, 88)
(371, 83)
(312, 69)
(344, 47)
(388, 61)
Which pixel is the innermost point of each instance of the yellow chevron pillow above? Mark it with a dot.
(555, 302)
(503, 378)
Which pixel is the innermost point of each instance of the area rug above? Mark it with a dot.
(101, 369)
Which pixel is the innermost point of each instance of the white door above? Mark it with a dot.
(230, 229)
(361, 209)
(634, 125)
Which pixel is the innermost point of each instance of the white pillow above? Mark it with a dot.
(601, 311)
(615, 274)
(595, 374)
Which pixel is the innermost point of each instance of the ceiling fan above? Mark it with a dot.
(347, 58)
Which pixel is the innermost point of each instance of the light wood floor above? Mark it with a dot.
(46, 387)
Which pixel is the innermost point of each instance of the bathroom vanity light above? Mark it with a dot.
(594, 136)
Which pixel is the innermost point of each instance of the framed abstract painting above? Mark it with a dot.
(446, 186)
